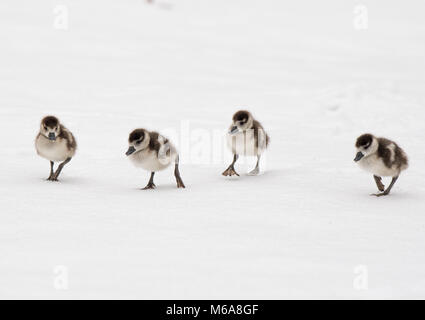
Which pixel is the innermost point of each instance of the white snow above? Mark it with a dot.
(306, 228)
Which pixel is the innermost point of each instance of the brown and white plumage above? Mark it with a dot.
(153, 152)
(381, 157)
(246, 137)
(55, 143)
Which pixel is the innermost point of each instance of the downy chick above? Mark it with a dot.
(246, 137)
(55, 143)
(153, 152)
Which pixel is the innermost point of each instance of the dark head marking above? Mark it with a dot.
(364, 141)
(137, 135)
(241, 116)
(50, 122)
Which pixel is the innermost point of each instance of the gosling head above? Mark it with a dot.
(50, 127)
(366, 145)
(137, 141)
(242, 120)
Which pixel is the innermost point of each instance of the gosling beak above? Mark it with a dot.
(52, 136)
(358, 157)
(130, 151)
(233, 130)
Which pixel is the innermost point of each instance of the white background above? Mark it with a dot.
(300, 230)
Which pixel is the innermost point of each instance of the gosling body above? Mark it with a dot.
(153, 152)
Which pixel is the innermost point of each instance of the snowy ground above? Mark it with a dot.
(306, 228)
